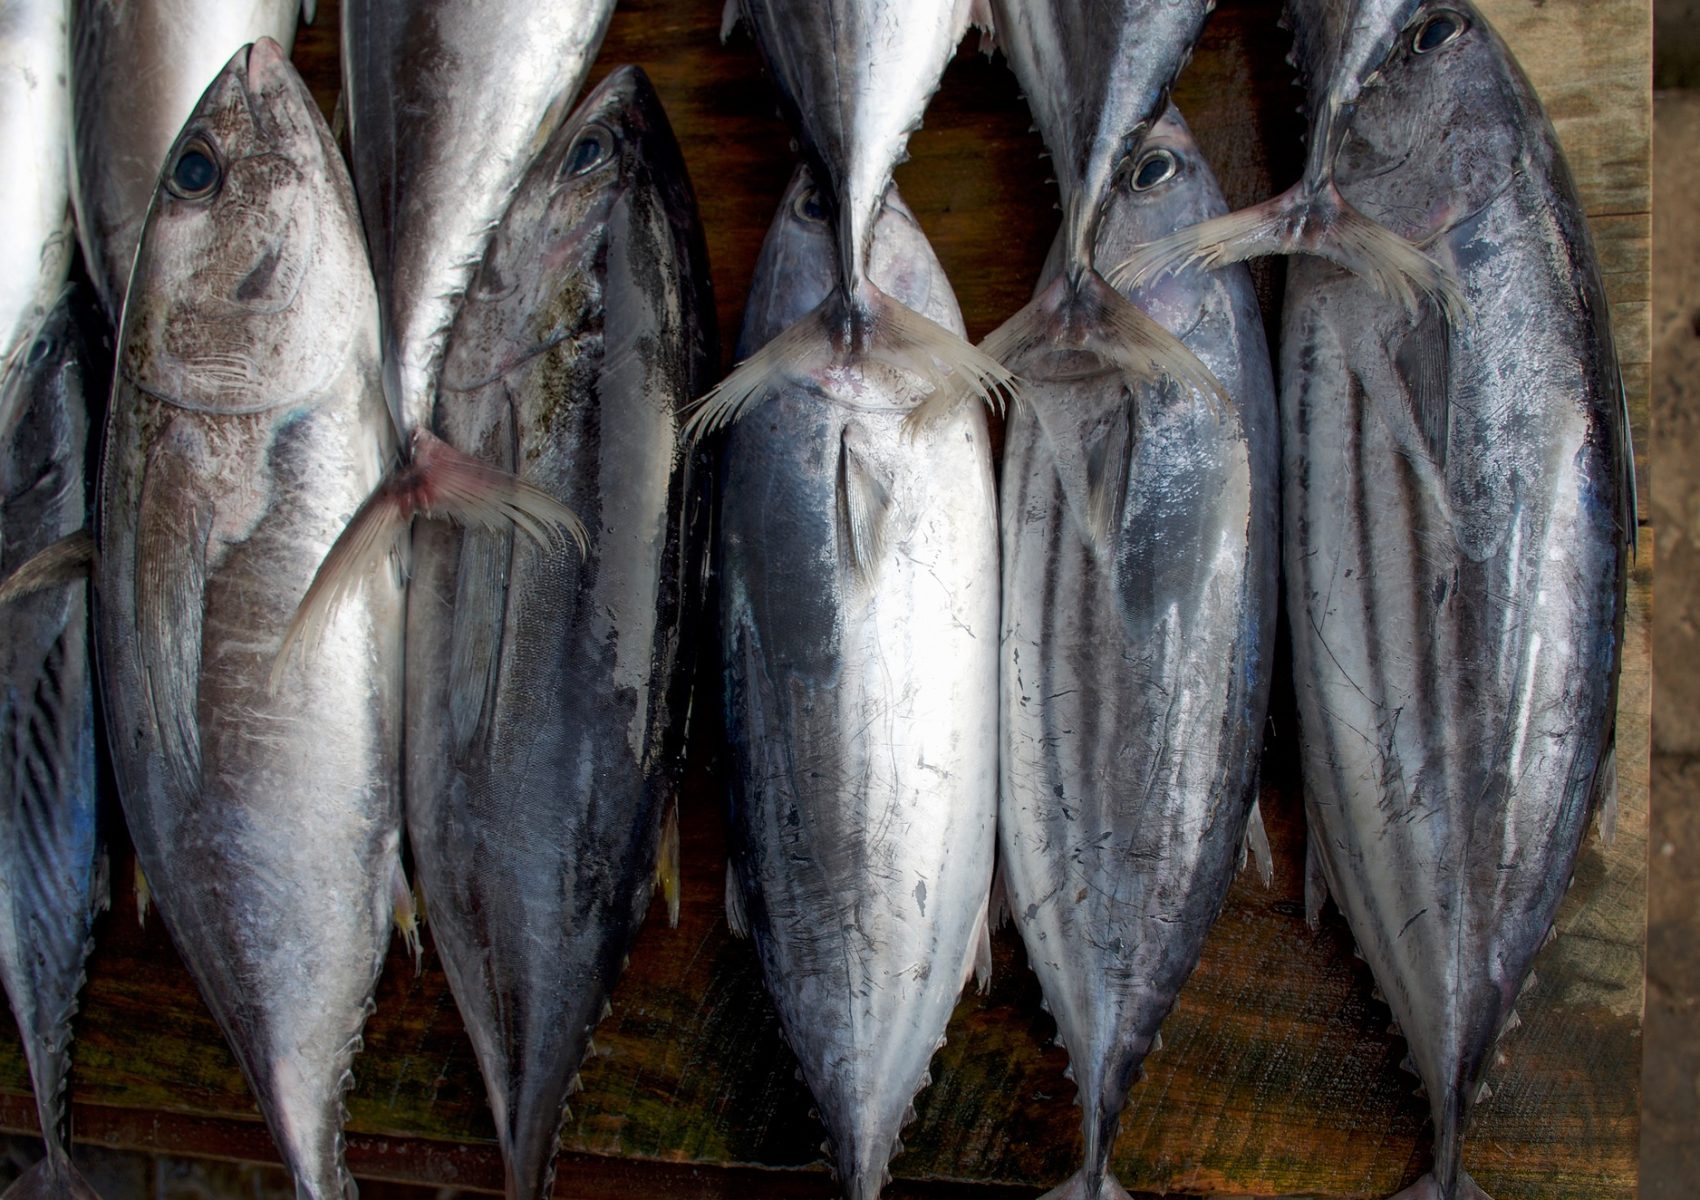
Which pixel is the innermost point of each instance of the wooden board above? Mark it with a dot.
(1279, 1076)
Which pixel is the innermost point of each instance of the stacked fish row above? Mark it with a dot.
(536, 325)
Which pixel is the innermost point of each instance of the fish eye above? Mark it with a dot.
(593, 147)
(195, 173)
(1157, 167)
(39, 350)
(1441, 28)
(808, 207)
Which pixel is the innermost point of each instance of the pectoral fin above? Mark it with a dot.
(864, 501)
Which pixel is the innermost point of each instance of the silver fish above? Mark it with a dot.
(448, 103)
(1459, 510)
(1338, 48)
(854, 78)
(1097, 76)
(547, 692)
(52, 864)
(858, 618)
(137, 71)
(247, 421)
(1139, 585)
(35, 114)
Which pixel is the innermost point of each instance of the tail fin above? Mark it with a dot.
(437, 482)
(53, 1178)
(1304, 221)
(1428, 1188)
(1094, 319)
(875, 327)
(1079, 1187)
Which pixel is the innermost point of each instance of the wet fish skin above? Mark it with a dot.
(35, 109)
(53, 878)
(858, 609)
(1097, 77)
(137, 71)
(1139, 590)
(1457, 559)
(547, 691)
(447, 103)
(247, 422)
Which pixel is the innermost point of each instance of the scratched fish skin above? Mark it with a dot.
(52, 863)
(858, 618)
(547, 691)
(247, 421)
(137, 71)
(35, 134)
(1139, 589)
(1097, 78)
(1458, 511)
(447, 104)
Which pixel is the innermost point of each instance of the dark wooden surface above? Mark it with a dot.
(1278, 1077)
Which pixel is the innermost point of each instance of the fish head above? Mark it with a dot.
(1441, 134)
(1339, 47)
(43, 414)
(251, 252)
(610, 172)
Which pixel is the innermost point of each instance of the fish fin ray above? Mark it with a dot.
(1316, 884)
(1109, 452)
(1256, 847)
(667, 863)
(979, 962)
(476, 634)
(68, 560)
(144, 893)
(174, 524)
(864, 501)
(406, 914)
(1301, 222)
(954, 367)
(790, 353)
(439, 483)
(1423, 363)
(53, 1178)
(736, 918)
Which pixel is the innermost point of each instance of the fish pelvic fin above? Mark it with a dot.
(437, 482)
(667, 864)
(53, 1178)
(144, 894)
(872, 327)
(408, 916)
(735, 916)
(68, 560)
(1305, 220)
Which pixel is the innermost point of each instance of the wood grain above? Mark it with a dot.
(1279, 1075)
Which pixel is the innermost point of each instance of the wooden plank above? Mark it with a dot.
(1279, 1076)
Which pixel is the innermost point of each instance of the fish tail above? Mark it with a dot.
(53, 1178)
(1082, 1186)
(875, 327)
(1092, 318)
(68, 560)
(437, 482)
(1429, 1188)
(1305, 220)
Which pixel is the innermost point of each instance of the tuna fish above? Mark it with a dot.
(1097, 77)
(858, 616)
(448, 103)
(547, 692)
(1339, 47)
(1459, 511)
(35, 109)
(247, 422)
(52, 865)
(137, 71)
(854, 78)
(1139, 541)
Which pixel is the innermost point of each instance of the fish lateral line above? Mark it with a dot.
(437, 482)
(844, 330)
